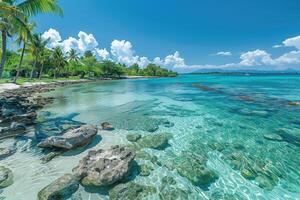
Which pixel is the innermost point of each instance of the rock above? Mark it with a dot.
(61, 188)
(193, 168)
(6, 177)
(294, 103)
(133, 137)
(274, 137)
(154, 141)
(105, 167)
(49, 157)
(168, 191)
(131, 191)
(5, 152)
(248, 174)
(107, 126)
(265, 183)
(17, 126)
(145, 170)
(73, 138)
(146, 156)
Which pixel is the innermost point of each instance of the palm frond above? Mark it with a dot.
(33, 7)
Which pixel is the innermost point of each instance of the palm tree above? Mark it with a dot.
(44, 56)
(59, 60)
(36, 46)
(73, 56)
(24, 35)
(13, 14)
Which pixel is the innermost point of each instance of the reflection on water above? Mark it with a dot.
(234, 137)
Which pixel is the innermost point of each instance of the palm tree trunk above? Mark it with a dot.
(34, 65)
(41, 71)
(20, 64)
(3, 58)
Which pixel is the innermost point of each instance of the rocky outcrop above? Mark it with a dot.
(61, 188)
(105, 167)
(18, 107)
(130, 190)
(72, 139)
(6, 177)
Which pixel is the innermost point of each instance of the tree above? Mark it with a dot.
(59, 60)
(13, 14)
(37, 45)
(73, 56)
(90, 61)
(24, 35)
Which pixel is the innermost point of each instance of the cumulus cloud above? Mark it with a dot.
(223, 53)
(292, 42)
(103, 54)
(257, 57)
(53, 36)
(122, 51)
(83, 43)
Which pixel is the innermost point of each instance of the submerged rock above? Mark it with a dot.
(131, 191)
(145, 170)
(73, 138)
(274, 137)
(6, 177)
(107, 126)
(133, 137)
(50, 156)
(294, 103)
(154, 141)
(169, 191)
(105, 167)
(6, 152)
(61, 188)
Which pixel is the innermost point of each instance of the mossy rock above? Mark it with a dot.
(145, 170)
(248, 174)
(146, 156)
(61, 188)
(154, 141)
(131, 191)
(219, 195)
(168, 190)
(133, 137)
(6, 177)
(196, 171)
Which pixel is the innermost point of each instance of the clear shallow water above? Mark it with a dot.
(221, 118)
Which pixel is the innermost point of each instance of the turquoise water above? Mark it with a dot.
(220, 118)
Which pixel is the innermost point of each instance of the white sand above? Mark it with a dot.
(8, 86)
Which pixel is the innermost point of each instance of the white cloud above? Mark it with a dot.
(257, 57)
(223, 53)
(103, 54)
(83, 43)
(277, 46)
(122, 51)
(53, 36)
(293, 42)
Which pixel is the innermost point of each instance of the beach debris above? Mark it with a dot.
(71, 139)
(105, 167)
(61, 188)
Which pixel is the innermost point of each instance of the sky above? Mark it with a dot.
(182, 35)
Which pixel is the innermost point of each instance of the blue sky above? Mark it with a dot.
(197, 30)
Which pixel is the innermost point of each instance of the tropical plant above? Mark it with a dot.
(24, 36)
(59, 60)
(73, 56)
(13, 14)
(37, 45)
